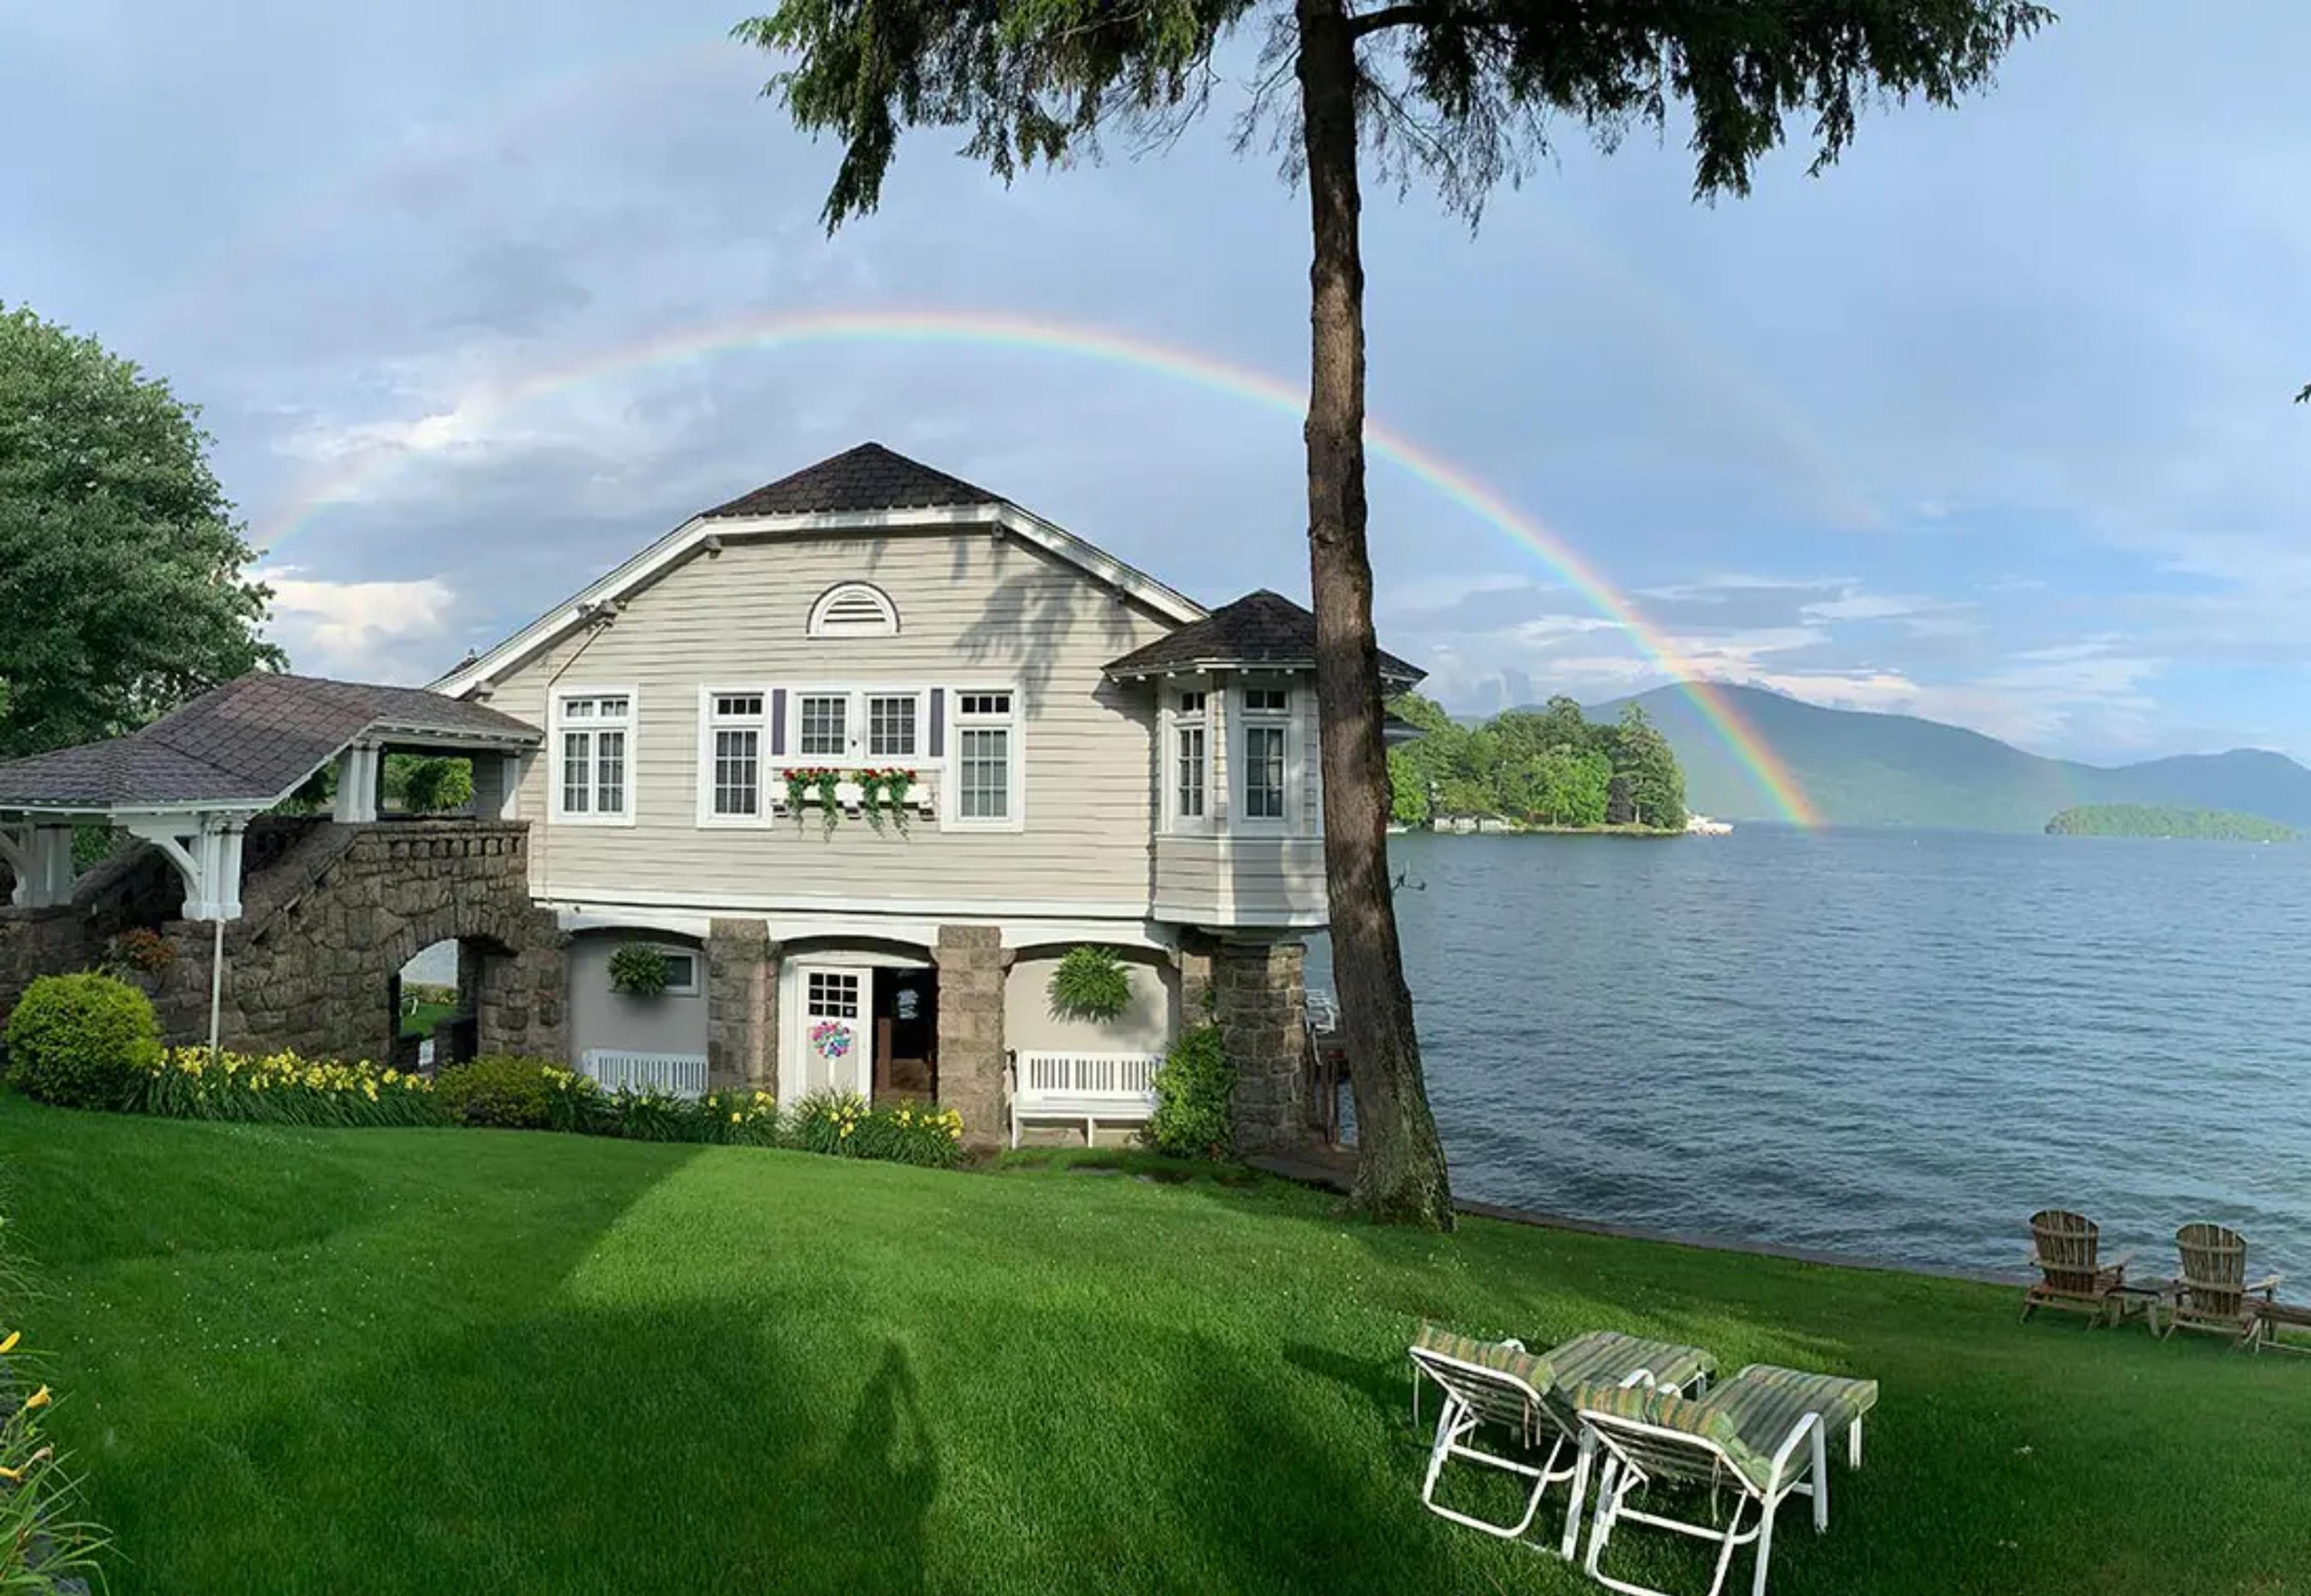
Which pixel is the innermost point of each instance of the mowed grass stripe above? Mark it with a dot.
(448, 1361)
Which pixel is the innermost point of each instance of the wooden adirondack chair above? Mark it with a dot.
(2214, 1293)
(2066, 1248)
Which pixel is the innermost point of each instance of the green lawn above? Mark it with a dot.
(447, 1361)
(420, 1018)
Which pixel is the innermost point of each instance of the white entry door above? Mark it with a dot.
(838, 1029)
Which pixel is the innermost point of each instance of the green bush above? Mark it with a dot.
(81, 1041)
(732, 1119)
(437, 785)
(1090, 983)
(844, 1125)
(1195, 1097)
(503, 1090)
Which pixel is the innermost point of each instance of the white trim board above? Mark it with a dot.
(692, 537)
(1019, 931)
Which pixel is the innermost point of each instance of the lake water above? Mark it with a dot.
(1890, 1045)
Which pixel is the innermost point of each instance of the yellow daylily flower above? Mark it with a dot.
(39, 1398)
(9, 1345)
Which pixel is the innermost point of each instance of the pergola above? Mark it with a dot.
(190, 782)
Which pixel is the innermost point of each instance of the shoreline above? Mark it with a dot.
(1333, 1174)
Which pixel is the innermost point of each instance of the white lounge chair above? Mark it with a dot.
(1499, 1383)
(1744, 1435)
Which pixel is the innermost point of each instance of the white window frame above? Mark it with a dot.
(767, 765)
(1014, 721)
(858, 735)
(1177, 722)
(919, 722)
(560, 722)
(697, 981)
(1241, 719)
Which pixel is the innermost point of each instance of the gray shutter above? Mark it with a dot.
(777, 722)
(938, 723)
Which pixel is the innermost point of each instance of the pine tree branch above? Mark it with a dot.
(1401, 16)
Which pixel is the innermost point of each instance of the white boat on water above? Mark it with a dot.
(1701, 826)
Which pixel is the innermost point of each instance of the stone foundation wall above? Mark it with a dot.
(742, 1006)
(970, 961)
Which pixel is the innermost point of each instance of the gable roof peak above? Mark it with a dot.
(867, 477)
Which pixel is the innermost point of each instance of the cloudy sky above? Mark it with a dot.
(1990, 423)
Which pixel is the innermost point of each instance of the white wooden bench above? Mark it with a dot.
(682, 1074)
(1117, 1087)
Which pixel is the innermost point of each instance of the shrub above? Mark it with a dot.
(1090, 983)
(436, 786)
(741, 1119)
(503, 1090)
(637, 970)
(139, 952)
(734, 1119)
(1195, 1096)
(81, 1040)
(846, 1126)
(191, 1083)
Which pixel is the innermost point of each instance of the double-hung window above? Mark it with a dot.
(1267, 721)
(987, 759)
(892, 730)
(735, 746)
(856, 726)
(1190, 773)
(823, 726)
(594, 753)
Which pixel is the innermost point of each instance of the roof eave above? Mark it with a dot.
(1406, 677)
(692, 535)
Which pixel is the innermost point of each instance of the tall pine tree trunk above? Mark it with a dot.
(1400, 1163)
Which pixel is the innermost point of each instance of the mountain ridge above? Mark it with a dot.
(1860, 767)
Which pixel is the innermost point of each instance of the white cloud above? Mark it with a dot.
(372, 632)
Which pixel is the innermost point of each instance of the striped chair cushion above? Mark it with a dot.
(1610, 1357)
(1764, 1402)
(1665, 1409)
(1506, 1357)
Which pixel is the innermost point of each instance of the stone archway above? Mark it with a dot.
(337, 912)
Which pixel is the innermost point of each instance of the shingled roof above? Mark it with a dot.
(247, 742)
(1259, 631)
(865, 478)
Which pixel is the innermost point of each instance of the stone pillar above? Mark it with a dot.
(970, 963)
(1194, 961)
(742, 1006)
(1257, 998)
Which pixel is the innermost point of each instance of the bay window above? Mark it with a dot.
(1189, 762)
(1266, 760)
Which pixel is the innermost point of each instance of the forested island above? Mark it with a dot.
(2158, 820)
(1548, 768)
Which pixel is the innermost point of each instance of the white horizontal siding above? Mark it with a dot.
(974, 610)
(1240, 880)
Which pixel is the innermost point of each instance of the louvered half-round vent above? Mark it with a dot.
(854, 609)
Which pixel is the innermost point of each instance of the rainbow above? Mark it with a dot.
(977, 330)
